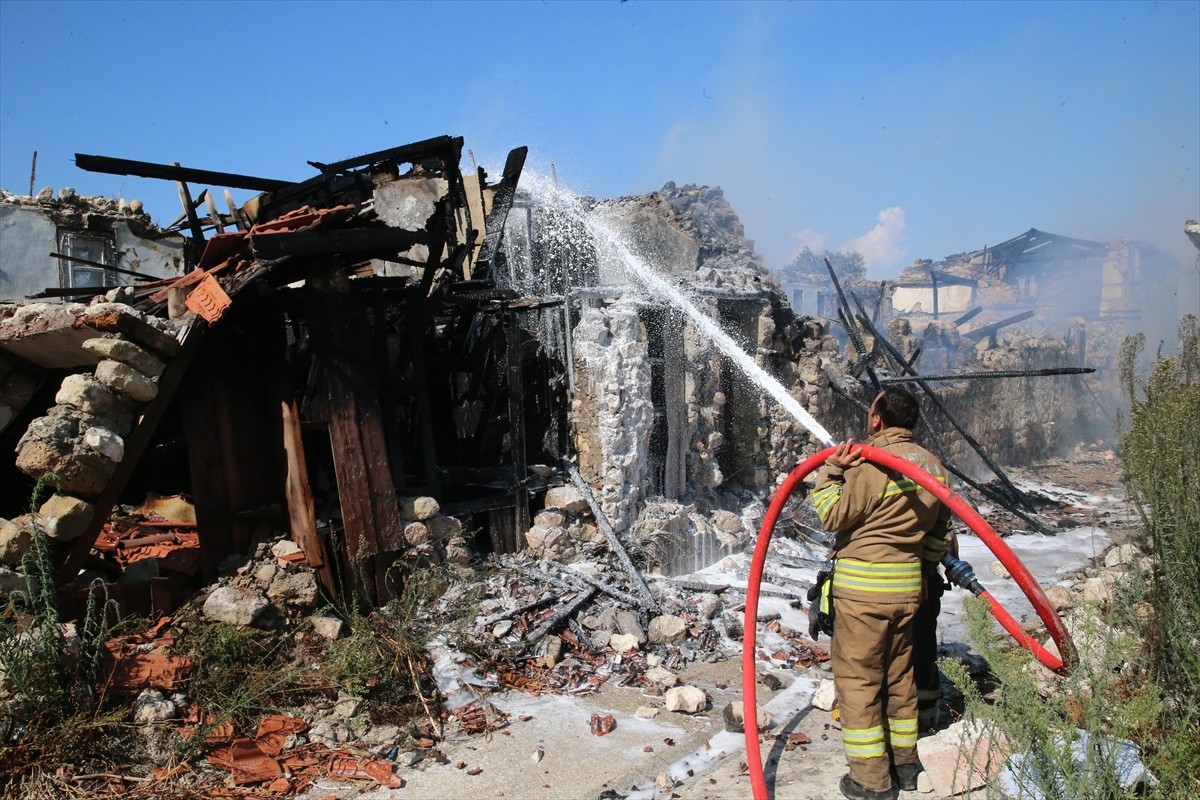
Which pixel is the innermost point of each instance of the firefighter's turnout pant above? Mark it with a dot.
(874, 606)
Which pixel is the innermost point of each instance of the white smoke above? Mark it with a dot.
(882, 247)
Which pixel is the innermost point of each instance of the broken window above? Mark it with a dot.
(89, 254)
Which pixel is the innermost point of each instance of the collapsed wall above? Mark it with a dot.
(679, 446)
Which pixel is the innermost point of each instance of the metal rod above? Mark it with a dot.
(139, 275)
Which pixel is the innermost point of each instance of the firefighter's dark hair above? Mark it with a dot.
(898, 408)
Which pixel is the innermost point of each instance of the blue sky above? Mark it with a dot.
(904, 130)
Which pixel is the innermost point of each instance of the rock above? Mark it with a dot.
(106, 443)
(265, 574)
(567, 498)
(707, 605)
(294, 589)
(826, 695)
(126, 381)
(602, 639)
(647, 712)
(1060, 597)
(383, 734)
(89, 395)
(152, 707)
(125, 352)
(416, 533)
(327, 627)
(1097, 591)
(284, 548)
(727, 522)
(999, 570)
(347, 705)
(64, 518)
(550, 518)
(623, 642)
(628, 622)
(667, 629)
(501, 629)
(733, 716)
(1122, 555)
(457, 551)
(16, 539)
(551, 652)
(686, 699)
(924, 785)
(234, 605)
(607, 619)
(418, 508)
(661, 677)
(962, 758)
(442, 528)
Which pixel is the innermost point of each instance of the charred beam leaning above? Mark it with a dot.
(1016, 495)
(851, 329)
(610, 535)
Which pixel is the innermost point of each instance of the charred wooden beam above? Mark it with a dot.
(994, 328)
(516, 419)
(610, 535)
(174, 172)
(502, 201)
(441, 147)
(1012, 373)
(847, 316)
(346, 241)
(970, 315)
(1016, 495)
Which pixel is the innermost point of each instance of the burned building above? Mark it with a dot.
(385, 361)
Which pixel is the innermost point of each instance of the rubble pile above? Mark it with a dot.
(81, 438)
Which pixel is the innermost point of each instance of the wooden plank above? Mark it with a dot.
(516, 427)
(301, 515)
(174, 172)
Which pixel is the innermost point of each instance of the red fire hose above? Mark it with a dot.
(963, 511)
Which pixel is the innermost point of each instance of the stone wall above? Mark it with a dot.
(611, 412)
(81, 438)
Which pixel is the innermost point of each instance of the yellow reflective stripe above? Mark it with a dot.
(894, 488)
(826, 498)
(863, 742)
(902, 732)
(864, 751)
(863, 735)
(864, 576)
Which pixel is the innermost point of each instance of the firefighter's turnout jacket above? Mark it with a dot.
(886, 526)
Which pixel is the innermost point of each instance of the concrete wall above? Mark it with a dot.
(29, 233)
(27, 237)
(951, 299)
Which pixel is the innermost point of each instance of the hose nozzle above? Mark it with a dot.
(960, 573)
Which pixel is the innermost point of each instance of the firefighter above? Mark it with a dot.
(886, 526)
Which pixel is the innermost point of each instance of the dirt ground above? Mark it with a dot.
(549, 751)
